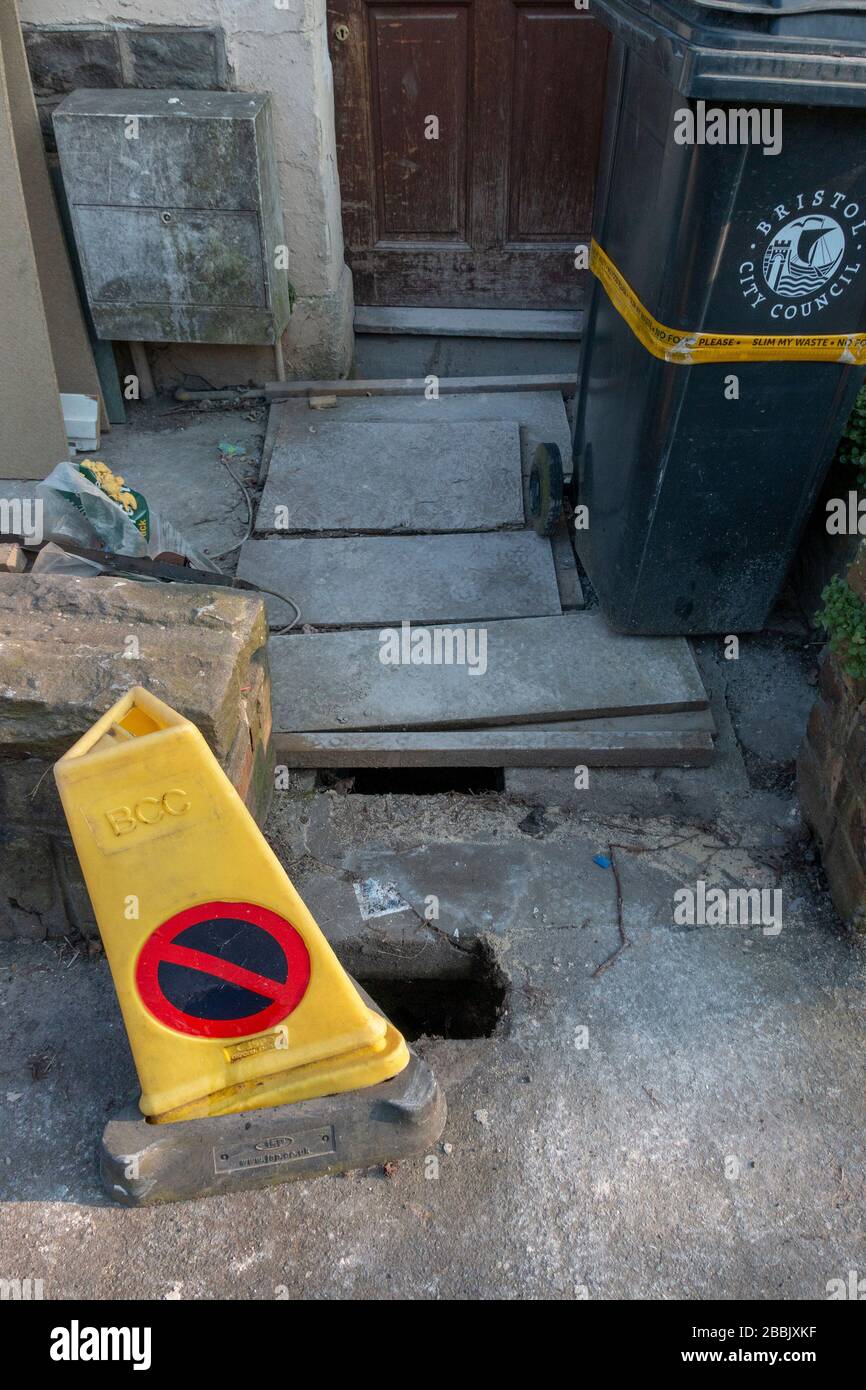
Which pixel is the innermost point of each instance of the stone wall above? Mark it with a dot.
(831, 773)
(62, 59)
(69, 648)
(243, 45)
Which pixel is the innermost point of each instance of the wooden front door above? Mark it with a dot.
(467, 136)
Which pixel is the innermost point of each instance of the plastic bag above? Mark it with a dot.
(53, 559)
(88, 504)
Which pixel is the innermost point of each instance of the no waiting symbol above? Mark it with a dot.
(223, 970)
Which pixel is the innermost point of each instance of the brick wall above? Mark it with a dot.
(831, 773)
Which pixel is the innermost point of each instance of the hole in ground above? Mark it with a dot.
(437, 1008)
(465, 1007)
(415, 781)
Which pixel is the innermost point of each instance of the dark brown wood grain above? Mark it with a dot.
(489, 214)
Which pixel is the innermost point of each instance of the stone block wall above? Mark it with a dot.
(831, 775)
(62, 59)
(69, 648)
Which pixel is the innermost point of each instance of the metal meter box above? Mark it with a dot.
(176, 211)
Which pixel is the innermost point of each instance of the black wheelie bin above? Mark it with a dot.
(725, 340)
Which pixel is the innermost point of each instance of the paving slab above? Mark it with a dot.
(695, 794)
(541, 415)
(526, 670)
(353, 580)
(344, 476)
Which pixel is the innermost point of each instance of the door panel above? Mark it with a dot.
(555, 130)
(419, 67)
(197, 258)
(487, 214)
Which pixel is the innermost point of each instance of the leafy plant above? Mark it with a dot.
(843, 618)
(852, 445)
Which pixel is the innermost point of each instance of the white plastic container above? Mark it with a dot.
(81, 419)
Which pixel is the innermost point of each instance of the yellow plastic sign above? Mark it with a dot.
(231, 996)
(681, 346)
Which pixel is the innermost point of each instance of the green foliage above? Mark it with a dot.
(843, 618)
(852, 445)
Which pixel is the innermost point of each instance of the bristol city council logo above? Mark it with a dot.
(806, 254)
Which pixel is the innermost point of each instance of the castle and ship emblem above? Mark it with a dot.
(804, 255)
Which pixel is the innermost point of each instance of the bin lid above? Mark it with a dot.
(773, 8)
(797, 52)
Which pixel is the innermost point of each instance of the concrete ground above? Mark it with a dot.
(171, 453)
(687, 1122)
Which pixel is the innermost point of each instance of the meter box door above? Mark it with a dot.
(176, 211)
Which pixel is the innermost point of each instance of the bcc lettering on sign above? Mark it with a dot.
(150, 810)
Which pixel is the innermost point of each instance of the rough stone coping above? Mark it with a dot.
(65, 645)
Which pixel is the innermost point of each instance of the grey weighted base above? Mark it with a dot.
(143, 1163)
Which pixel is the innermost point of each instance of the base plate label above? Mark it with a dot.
(270, 1151)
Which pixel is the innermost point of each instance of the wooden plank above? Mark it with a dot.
(567, 578)
(587, 746)
(518, 671)
(416, 386)
(70, 348)
(383, 579)
(270, 438)
(33, 431)
(473, 323)
(340, 476)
